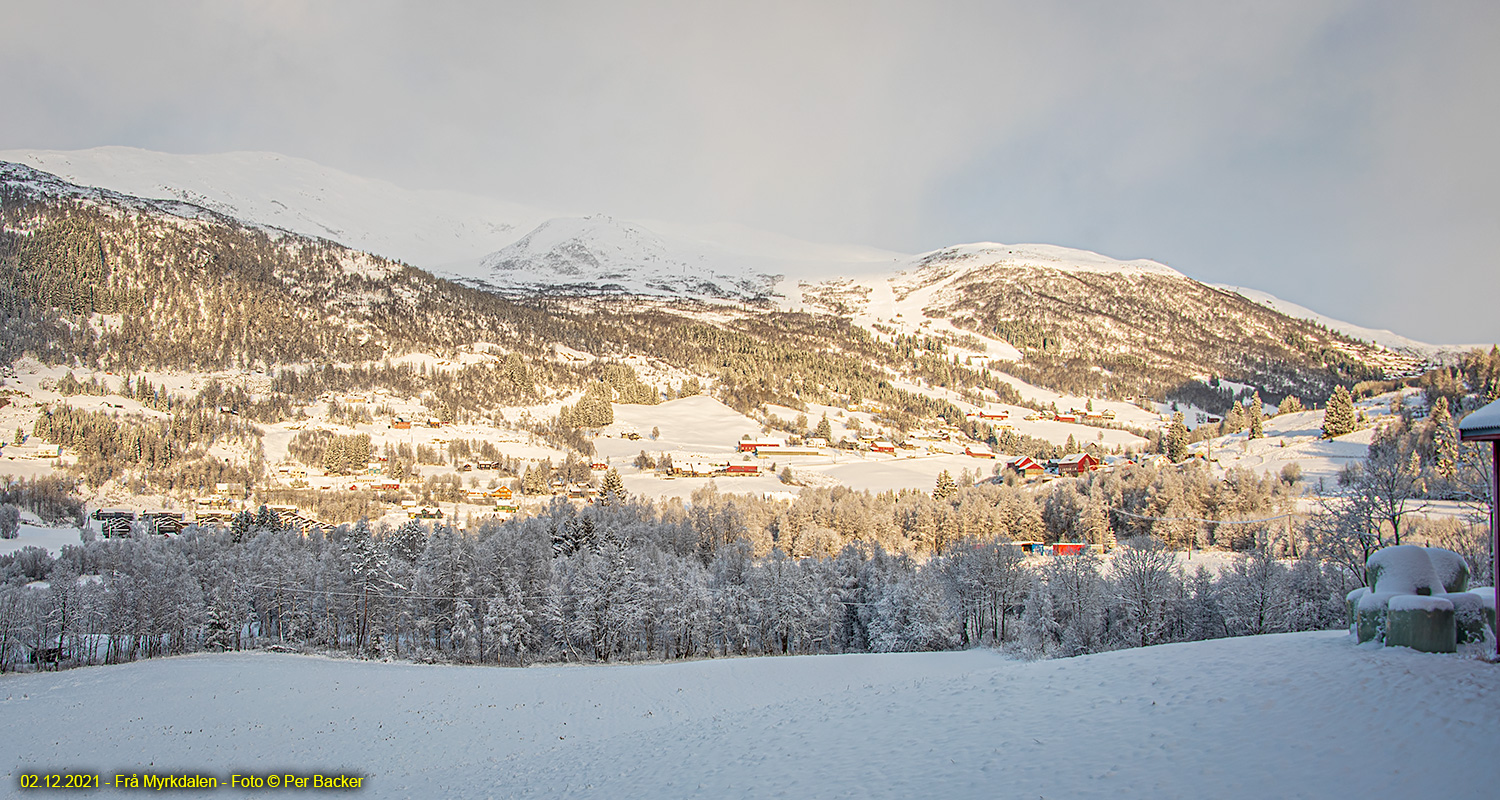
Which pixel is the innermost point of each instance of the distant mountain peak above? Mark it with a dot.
(1037, 255)
(601, 255)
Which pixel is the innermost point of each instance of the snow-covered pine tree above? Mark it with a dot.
(946, 487)
(612, 491)
(1444, 439)
(1338, 416)
(1254, 410)
(1177, 438)
(824, 431)
(408, 541)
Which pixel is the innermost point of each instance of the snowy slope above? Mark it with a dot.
(1295, 715)
(901, 299)
(1382, 337)
(424, 228)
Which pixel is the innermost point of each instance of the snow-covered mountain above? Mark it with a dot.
(1380, 336)
(918, 293)
(492, 243)
(516, 249)
(424, 228)
(600, 255)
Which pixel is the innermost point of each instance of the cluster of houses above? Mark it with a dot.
(404, 424)
(1067, 466)
(711, 469)
(1073, 415)
(811, 446)
(121, 522)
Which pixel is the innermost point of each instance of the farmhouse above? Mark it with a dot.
(754, 445)
(745, 470)
(978, 451)
(694, 469)
(1026, 467)
(882, 446)
(1077, 464)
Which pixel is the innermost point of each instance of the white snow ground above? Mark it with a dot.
(46, 537)
(1294, 715)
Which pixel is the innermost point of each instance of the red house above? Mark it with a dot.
(1077, 464)
(742, 469)
(1027, 467)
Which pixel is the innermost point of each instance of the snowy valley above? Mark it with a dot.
(265, 424)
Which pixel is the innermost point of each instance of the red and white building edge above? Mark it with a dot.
(1484, 426)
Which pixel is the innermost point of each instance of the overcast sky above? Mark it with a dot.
(1342, 155)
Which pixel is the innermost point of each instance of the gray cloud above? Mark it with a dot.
(1336, 153)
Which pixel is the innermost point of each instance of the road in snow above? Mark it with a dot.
(1294, 715)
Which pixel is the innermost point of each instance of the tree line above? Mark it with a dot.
(619, 582)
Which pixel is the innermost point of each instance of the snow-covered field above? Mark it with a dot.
(1293, 715)
(49, 538)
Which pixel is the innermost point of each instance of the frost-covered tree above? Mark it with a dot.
(408, 541)
(1338, 415)
(1253, 595)
(1254, 411)
(1443, 434)
(1176, 441)
(824, 430)
(1150, 588)
(612, 490)
(10, 521)
(946, 487)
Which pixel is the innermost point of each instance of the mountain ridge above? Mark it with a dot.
(466, 237)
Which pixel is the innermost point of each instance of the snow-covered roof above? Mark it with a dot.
(1482, 424)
